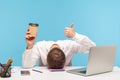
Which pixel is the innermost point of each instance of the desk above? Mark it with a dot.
(63, 75)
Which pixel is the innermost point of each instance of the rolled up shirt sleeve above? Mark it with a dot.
(30, 57)
(83, 43)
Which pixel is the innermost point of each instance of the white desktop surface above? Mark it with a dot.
(62, 75)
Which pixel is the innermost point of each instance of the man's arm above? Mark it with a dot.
(30, 56)
(82, 43)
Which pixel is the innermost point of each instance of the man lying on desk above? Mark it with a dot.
(54, 55)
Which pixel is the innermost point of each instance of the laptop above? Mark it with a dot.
(101, 60)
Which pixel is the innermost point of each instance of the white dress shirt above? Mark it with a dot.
(79, 44)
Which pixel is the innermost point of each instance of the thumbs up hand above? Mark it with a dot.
(69, 32)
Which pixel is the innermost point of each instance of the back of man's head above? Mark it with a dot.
(56, 58)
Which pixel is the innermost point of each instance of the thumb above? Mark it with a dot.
(72, 26)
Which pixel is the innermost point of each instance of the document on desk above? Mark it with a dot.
(44, 69)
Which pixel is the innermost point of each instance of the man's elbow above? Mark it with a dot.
(93, 44)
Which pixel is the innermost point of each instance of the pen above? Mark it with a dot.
(1, 65)
(37, 71)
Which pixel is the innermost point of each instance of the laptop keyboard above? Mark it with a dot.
(84, 71)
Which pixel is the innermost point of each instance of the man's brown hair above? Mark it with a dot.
(56, 58)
